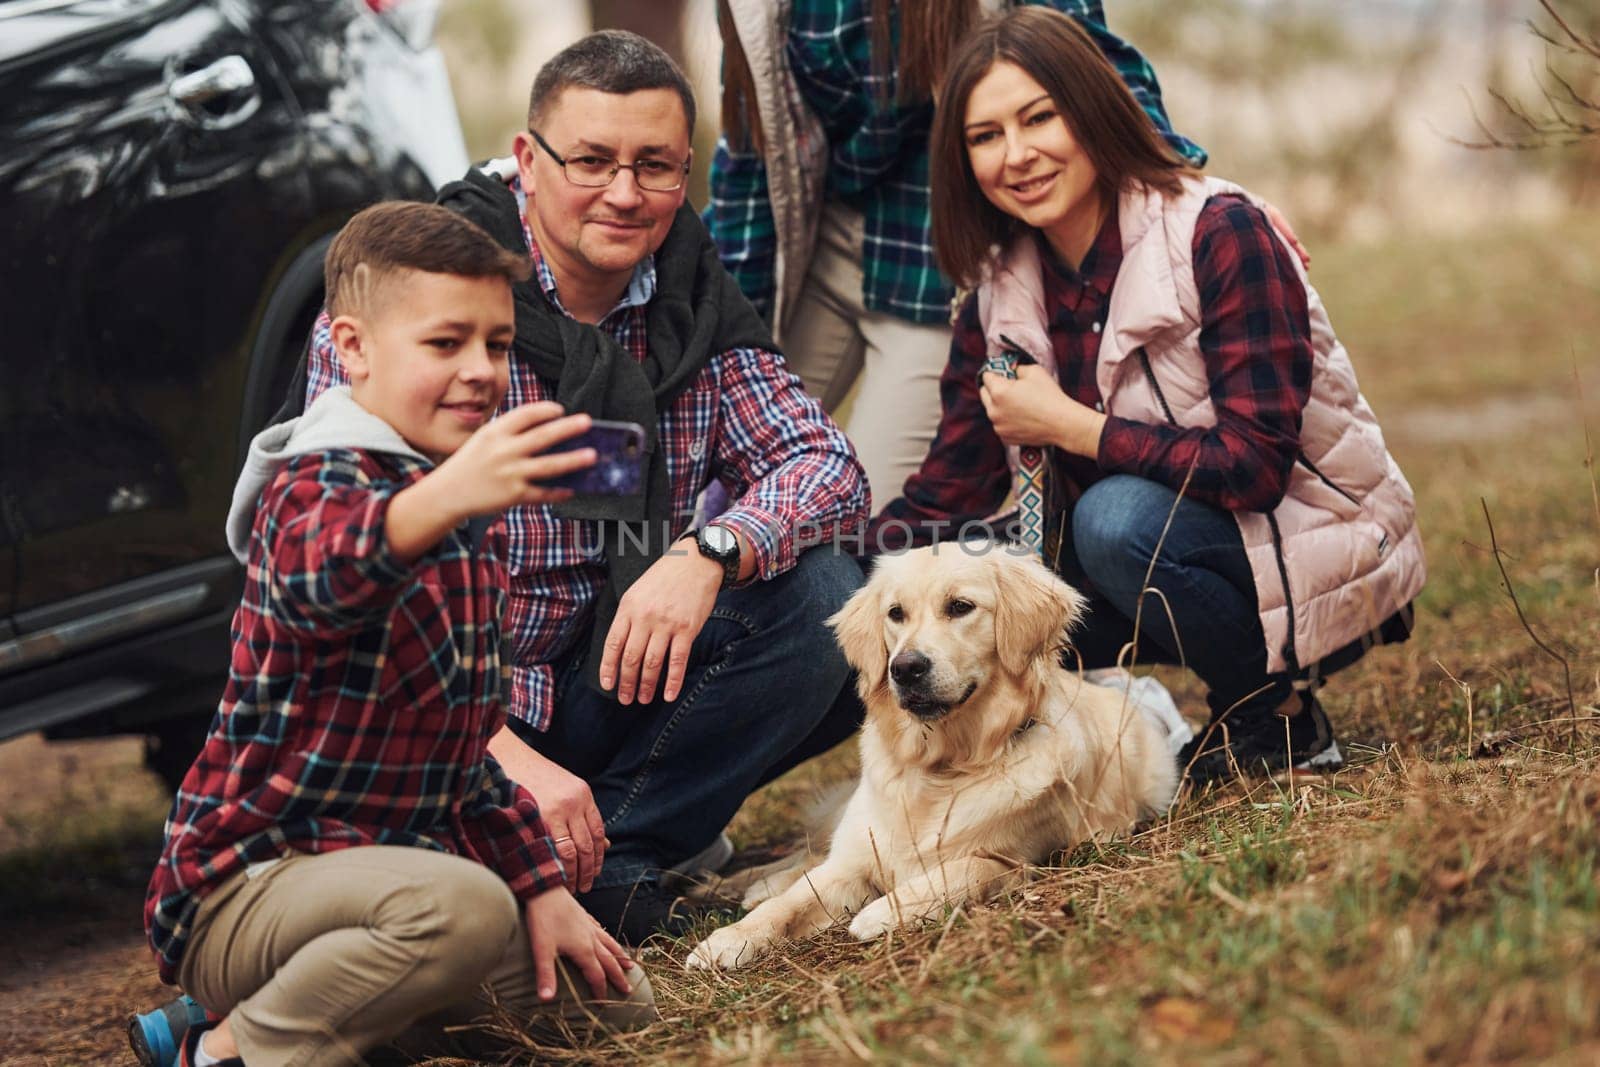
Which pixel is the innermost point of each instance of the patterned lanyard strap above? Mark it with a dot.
(1029, 477)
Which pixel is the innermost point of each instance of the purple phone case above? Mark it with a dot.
(619, 464)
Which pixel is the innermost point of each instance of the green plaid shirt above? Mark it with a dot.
(878, 159)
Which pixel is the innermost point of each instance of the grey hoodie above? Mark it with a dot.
(334, 420)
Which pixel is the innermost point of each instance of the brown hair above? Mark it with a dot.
(929, 31)
(741, 118)
(406, 235)
(1108, 124)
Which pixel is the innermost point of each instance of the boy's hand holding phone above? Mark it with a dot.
(502, 465)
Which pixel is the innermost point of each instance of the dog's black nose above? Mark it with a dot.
(908, 668)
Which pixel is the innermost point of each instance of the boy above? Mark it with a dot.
(345, 857)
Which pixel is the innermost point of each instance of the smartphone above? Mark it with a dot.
(619, 460)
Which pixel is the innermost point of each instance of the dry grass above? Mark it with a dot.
(1405, 910)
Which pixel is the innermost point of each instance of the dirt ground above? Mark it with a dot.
(73, 961)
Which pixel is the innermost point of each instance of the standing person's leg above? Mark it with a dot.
(833, 342)
(896, 409)
(820, 341)
(763, 676)
(316, 959)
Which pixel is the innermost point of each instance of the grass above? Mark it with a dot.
(75, 829)
(1438, 902)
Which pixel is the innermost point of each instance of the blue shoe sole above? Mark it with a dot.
(152, 1040)
(156, 1035)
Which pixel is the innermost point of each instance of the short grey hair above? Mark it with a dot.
(611, 61)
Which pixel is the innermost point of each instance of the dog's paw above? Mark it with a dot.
(873, 921)
(725, 950)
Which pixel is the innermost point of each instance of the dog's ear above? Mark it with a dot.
(1033, 611)
(859, 627)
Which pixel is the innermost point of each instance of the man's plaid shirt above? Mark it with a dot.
(793, 477)
(1255, 338)
(878, 161)
(360, 701)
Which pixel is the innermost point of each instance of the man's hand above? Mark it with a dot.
(499, 466)
(565, 803)
(558, 926)
(1032, 410)
(657, 621)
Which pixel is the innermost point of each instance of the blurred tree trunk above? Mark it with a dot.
(658, 20)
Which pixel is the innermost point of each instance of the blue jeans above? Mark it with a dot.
(764, 689)
(1205, 617)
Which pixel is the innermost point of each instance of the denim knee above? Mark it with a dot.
(801, 600)
(1114, 525)
(826, 579)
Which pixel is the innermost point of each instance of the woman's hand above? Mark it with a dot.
(1032, 410)
(558, 926)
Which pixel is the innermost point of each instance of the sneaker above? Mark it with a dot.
(709, 860)
(1154, 702)
(632, 913)
(157, 1036)
(1255, 742)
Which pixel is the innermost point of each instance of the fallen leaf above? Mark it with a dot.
(1187, 1020)
(1063, 1049)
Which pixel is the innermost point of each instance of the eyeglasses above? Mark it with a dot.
(592, 172)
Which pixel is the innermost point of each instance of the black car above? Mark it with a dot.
(171, 172)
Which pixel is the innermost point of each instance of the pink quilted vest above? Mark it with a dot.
(1344, 538)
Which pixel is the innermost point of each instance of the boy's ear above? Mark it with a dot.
(347, 334)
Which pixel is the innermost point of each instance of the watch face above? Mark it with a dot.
(720, 539)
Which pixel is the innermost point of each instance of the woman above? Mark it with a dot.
(819, 197)
(1209, 443)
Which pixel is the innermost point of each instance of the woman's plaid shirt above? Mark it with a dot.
(359, 704)
(878, 159)
(1255, 339)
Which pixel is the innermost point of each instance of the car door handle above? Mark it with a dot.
(219, 96)
(227, 76)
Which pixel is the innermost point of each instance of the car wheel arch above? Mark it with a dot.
(279, 341)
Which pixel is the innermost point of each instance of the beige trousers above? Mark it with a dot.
(832, 340)
(319, 959)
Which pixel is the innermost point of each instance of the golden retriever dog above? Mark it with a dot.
(980, 753)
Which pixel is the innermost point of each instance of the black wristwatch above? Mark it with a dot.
(717, 542)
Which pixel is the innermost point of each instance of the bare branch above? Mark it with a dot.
(1572, 703)
(1574, 98)
(1587, 44)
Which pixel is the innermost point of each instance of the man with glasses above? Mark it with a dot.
(661, 672)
